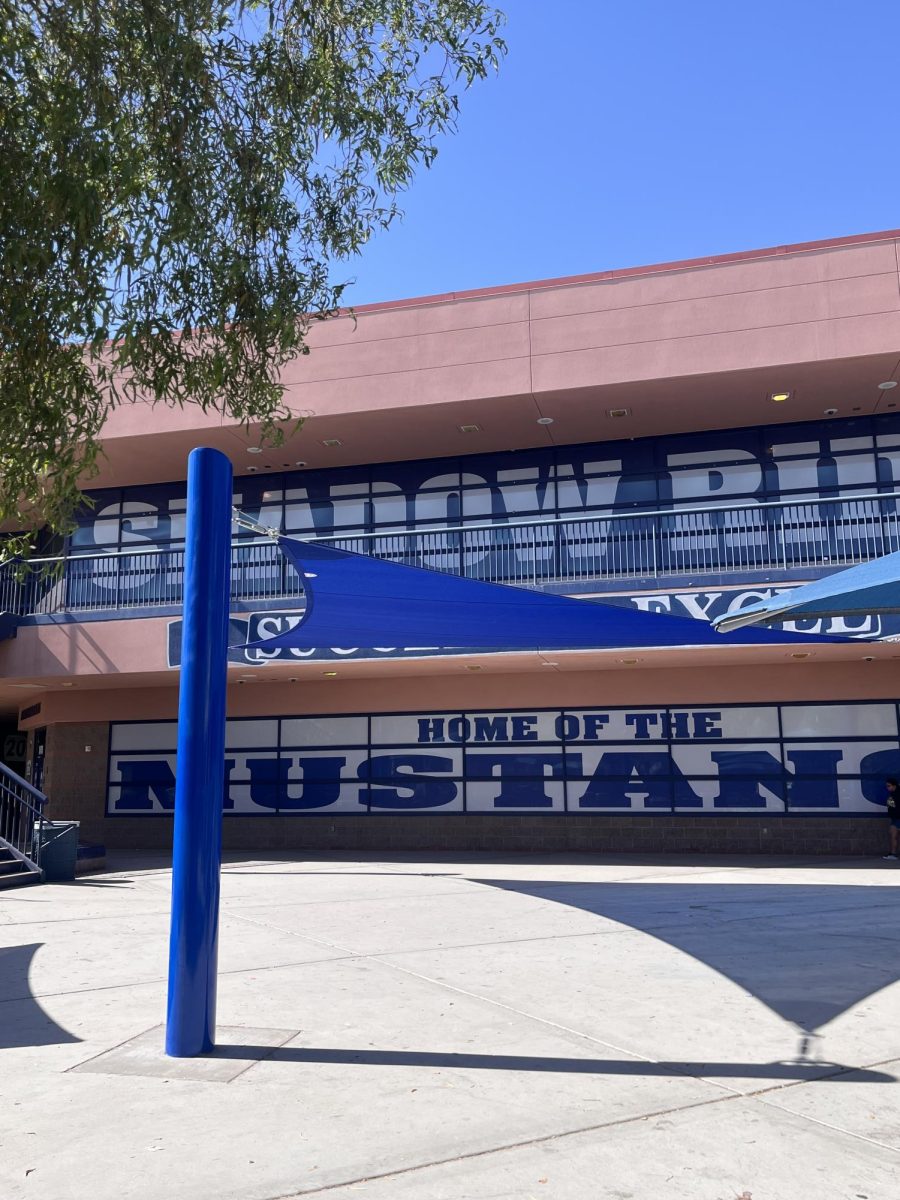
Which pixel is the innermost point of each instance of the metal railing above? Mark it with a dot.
(21, 817)
(608, 547)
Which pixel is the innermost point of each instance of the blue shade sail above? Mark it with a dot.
(869, 589)
(354, 600)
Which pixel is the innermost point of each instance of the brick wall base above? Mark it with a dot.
(75, 773)
(518, 834)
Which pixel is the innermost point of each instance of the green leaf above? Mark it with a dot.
(192, 175)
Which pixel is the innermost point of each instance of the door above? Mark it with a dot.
(37, 765)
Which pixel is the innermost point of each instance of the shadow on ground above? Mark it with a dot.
(26, 1024)
(809, 952)
(788, 1071)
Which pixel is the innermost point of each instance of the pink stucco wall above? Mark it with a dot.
(820, 319)
(106, 670)
(434, 692)
(685, 346)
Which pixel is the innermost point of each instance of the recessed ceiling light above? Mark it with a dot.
(472, 667)
(887, 385)
(332, 442)
(546, 664)
(251, 470)
(67, 683)
(545, 420)
(618, 412)
(801, 654)
(329, 674)
(293, 679)
(469, 428)
(300, 464)
(629, 662)
(254, 449)
(779, 397)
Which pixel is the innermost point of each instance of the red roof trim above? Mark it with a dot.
(686, 264)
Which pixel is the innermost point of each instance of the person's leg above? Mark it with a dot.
(894, 835)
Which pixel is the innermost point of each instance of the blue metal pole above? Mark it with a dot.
(199, 786)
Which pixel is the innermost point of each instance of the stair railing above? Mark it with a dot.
(21, 817)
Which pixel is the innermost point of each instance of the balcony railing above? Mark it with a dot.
(606, 547)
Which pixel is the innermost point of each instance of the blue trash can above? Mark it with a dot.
(59, 850)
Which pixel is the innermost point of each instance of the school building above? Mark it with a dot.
(683, 438)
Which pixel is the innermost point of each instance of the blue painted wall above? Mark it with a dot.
(732, 466)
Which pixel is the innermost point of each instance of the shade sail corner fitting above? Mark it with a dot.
(868, 589)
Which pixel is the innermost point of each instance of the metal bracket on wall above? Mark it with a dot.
(244, 522)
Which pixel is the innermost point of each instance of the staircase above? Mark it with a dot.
(21, 809)
(15, 872)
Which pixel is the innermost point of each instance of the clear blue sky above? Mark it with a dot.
(622, 132)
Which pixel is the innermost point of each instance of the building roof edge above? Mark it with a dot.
(686, 264)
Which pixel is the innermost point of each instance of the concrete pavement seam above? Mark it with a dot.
(101, 1053)
(271, 1050)
(764, 1098)
(223, 910)
(711, 1081)
(528, 1142)
(379, 958)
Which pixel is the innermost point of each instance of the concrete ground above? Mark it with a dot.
(531, 1029)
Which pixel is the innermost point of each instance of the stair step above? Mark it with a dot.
(10, 866)
(19, 879)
